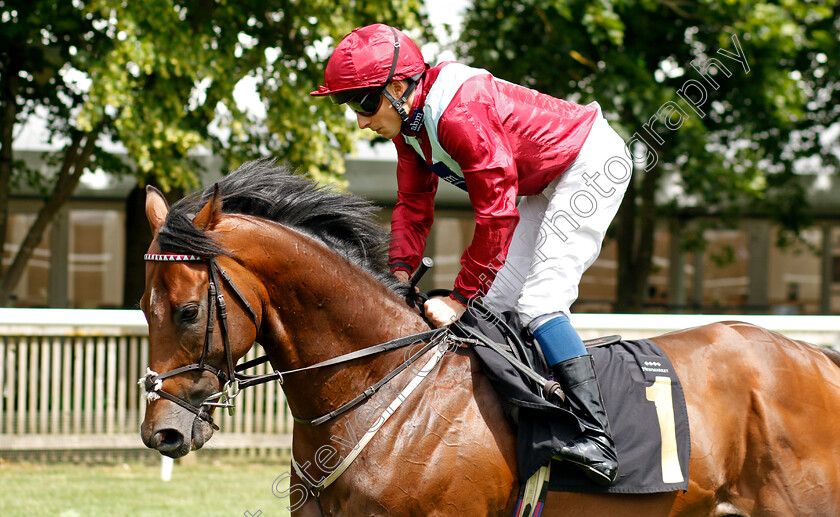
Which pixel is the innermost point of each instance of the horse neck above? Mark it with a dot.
(321, 306)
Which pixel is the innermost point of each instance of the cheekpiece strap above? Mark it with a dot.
(171, 257)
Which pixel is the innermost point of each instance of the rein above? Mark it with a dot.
(233, 381)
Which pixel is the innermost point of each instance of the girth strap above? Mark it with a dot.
(533, 493)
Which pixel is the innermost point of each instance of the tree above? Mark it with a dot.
(718, 98)
(159, 77)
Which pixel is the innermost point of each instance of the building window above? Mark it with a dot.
(79, 263)
(96, 264)
(33, 287)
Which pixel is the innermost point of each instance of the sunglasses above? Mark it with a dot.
(366, 104)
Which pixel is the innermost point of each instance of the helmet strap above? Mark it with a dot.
(412, 83)
(399, 103)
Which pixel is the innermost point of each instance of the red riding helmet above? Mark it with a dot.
(368, 58)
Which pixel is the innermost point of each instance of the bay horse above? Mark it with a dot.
(304, 272)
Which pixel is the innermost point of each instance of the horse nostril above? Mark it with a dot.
(167, 440)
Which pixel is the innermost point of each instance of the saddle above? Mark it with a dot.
(507, 332)
(642, 396)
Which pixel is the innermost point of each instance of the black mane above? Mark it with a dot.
(343, 222)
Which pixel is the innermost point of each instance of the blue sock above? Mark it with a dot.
(559, 340)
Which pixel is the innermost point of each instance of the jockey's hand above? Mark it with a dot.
(402, 275)
(443, 311)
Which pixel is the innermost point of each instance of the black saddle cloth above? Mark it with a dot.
(642, 396)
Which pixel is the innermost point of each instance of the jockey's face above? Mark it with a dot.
(386, 121)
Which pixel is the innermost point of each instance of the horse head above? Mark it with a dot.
(190, 354)
(263, 256)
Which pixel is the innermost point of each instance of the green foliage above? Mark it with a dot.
(634, 56)
(161, 76)
(723, 141)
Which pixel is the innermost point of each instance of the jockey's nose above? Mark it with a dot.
(362, 120)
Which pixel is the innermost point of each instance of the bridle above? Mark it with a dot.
(234, 381)
(231, 381)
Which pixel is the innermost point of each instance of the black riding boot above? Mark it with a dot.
(593, 450)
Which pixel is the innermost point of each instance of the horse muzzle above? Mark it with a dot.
(173, 431)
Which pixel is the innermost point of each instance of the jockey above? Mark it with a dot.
(497, 141)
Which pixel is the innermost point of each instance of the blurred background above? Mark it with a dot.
(732, 206)
(731, 110)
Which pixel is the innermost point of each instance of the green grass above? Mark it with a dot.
(207, 488)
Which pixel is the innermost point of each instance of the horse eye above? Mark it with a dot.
(189, 313)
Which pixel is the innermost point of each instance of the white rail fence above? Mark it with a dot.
(68, 378)
(68, 381)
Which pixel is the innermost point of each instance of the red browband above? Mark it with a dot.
(171, 257)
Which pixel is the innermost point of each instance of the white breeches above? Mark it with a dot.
(561, 230)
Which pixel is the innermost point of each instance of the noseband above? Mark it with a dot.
(231, 381)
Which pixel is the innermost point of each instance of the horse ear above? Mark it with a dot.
(211, 211)
(156, 208)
